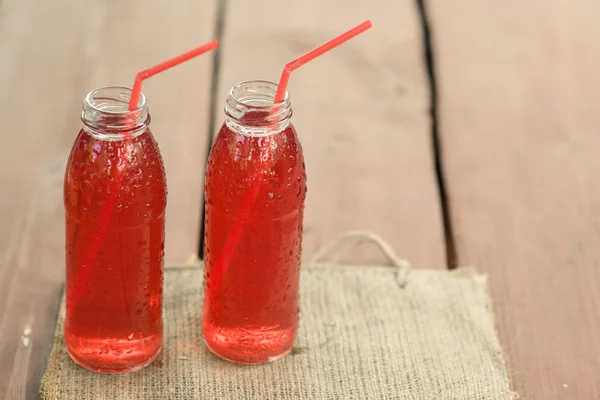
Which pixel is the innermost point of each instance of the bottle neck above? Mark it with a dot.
(105, 114)
(249, 109)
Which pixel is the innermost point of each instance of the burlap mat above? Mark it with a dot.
(365, 333)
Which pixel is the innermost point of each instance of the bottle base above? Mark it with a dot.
(115, 357)
(247, 360)
(250, 347)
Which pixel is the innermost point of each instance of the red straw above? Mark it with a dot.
(106, 212)
(235, 234)
(311, 55)
(147, 73)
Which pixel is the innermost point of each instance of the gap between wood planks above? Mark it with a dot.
(451, 260)
(212, 120)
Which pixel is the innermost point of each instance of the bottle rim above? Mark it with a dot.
(256, 96)
(105, 113)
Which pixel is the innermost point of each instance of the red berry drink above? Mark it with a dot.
(115, 199)
(255, 190)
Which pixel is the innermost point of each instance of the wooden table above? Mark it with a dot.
(463, 132)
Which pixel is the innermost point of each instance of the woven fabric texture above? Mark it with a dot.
(366, 332)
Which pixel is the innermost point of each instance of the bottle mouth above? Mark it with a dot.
(105, 113)
(257, 94)
(250, 109)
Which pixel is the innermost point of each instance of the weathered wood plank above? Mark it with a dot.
(51, 55)
(519, 124)
(360, 112)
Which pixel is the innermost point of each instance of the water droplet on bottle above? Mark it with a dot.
(130, 337)
(270, 194)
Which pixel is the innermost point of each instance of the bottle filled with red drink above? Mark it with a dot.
(115, 199)
(255, 190)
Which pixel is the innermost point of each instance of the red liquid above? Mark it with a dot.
(115, 199)
(251, 302)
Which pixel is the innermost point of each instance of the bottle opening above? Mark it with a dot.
(105, 114)
(250, 111)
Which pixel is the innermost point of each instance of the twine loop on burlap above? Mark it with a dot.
(342, 245)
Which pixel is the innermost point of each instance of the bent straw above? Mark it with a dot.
(311, 55)
(147, 73)
(223, 261)
(105, 215)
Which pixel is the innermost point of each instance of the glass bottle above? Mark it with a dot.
(115, 198)
(255, 190)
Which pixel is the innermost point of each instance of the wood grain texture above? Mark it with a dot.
(51, 55)
(519, 122)
(360, 112)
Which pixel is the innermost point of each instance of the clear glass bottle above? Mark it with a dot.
(255, 190)
(115, 198)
